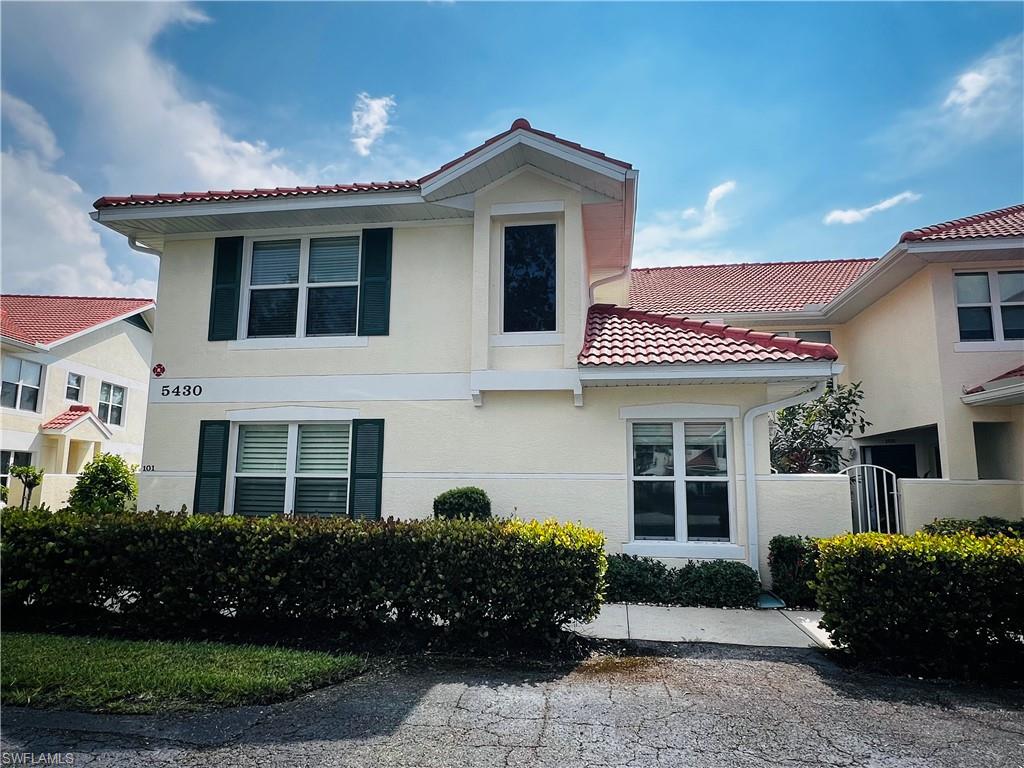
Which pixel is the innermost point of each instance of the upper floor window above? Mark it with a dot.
(292, 467)
(529, 270)
(990, 305)
(73, 391)
(22, 380)
(679, 481)
(111, 406)
(303, 287)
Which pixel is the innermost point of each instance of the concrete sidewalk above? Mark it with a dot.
(772, 628)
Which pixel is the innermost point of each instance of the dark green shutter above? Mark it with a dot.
(375, 283)
(227, 282)
(211, 467)
(364, 485)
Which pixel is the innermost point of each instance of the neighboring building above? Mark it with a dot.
(935, 332)
(75, 371)
(357, 349)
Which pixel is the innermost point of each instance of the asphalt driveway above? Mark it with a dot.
(701, 705)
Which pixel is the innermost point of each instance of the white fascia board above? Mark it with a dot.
(104, 324)
(514, 209)
(292, 413)
(750, 371)
(22, 345)
(529, 139)
(526, 380)
(305, 202)
(1010, 395)
(957, 246)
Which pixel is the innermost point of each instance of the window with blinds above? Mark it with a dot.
(297, 468)
(304, 287)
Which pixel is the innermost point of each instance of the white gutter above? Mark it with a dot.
(135, 246)
(750, 461)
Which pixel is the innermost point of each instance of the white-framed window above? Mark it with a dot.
(301, 287)
(292, 468)
(112, 403)
(822, 337)
(529, 277)
(680, 477)
(990, 304)
(10, 459)
(73, 390)
(22, 384)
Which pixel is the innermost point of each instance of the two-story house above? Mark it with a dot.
(935, 332)
(75, 384)
(357, 349)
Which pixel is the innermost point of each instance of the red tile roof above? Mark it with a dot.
(625, 336)
(69, 417)
(1005, 222)
(1017, 372)
(45, 320)
(779, 286)
(335, 189)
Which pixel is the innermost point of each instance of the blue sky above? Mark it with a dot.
(761, 131)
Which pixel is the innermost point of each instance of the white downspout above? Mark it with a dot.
(604, 280)
(134, 245)
(750, 462)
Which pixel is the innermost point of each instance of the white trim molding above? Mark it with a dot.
(545, 380)
(527, 339)
(780, 371)
(516, 209)
(692, 550)
(680, 411)
(289, 413)
(1012, 394)
(988, 346)
(302, 342)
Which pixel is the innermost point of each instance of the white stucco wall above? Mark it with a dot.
(925, 500)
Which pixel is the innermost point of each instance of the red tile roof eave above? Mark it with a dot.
(219, 196)
(67, 418)
(43, 321)
(947, 229)
(1014, 373)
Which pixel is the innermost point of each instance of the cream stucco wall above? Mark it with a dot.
(925, 500)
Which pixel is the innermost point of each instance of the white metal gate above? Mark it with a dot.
(874, 498)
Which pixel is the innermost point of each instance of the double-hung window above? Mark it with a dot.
(300, 468)
(990, 305)
(680, 481)
(10, 459)
(73, 391)
(111, 405)
(22, 381)
(303, 287)
(529, 274)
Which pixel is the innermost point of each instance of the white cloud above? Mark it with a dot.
(671, 236)
(984, 100)
(857, 215)
(30, 126)
(370, 117)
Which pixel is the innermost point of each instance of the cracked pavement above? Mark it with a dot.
(688, 705)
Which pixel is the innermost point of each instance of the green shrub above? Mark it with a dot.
(160, 574)
(791, 562)
(924, 604)
(983, 526)
(714, 583)
(469, 502)
(106, 483)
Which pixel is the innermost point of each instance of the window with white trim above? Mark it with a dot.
(529, 278)
(990, 305)
(111, 404)
(680, 481)
(821, 337)
(294, 468)
(10, 459)
(73, 391)
(306, 286)
(22, 383)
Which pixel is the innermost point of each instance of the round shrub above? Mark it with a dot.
(983, 526)
(106, 483)
(791, 560)
(469, 502)
(712, 583)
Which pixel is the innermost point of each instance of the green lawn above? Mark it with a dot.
(90, 674)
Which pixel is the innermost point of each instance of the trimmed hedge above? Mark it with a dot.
(468, 502)
(791, 560)
(923, 604)
(983, 526)
(713, 583)
(162, 574)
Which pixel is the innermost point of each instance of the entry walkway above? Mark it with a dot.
(773, 628)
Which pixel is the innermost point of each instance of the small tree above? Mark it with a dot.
(107, 482)
(31, 478)
(807, 437)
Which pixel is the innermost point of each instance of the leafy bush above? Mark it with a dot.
(31, 478)
(983, 526)
(160, 574)
(107, 483)
(924, 604)
(469, 502)
(714, 583)
(791, 562)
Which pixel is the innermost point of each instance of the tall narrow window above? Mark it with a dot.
(111, 405)
(22, 380)
(680, 481)
(73, 390)
(529, 275)
(974, 306)
(321, 469)
(333, 286)
(261, 469)
(1011, 303)
(274, 291)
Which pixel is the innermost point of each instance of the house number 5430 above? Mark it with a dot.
(182, 390)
